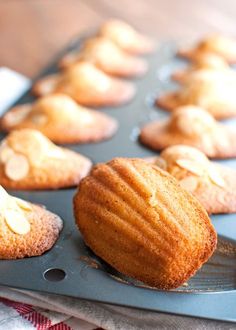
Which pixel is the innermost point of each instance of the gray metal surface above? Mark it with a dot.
(71, 269)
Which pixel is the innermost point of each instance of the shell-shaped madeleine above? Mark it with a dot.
(87, 85)
(61, 119)
(26, 229)
(209, 61)
(108, 57)
(30, 161)
(216, 44)
(214, 185)
(213, 90)
(126, 37)
(138, 219)
(191, 125)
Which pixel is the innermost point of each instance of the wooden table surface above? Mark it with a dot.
(33, 31)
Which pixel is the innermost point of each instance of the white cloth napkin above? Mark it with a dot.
(79, 314)
(45, 311)
(12, 86)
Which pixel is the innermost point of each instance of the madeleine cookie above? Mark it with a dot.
(108, 57)
(126, 37)
(207, 61)
(138, 219)
(212, 184)
(87, 85)
(191, 126)
(26, 229)
(29, 161)
(61, 119)
(217, 44)
(212, 90)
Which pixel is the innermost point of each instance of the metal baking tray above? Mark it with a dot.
(71, 269)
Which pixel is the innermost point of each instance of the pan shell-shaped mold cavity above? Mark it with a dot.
(139, 220)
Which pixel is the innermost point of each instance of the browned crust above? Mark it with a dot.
(53, 174)
(157, 136)
(120, 92)
(44, 231)
(116, 223)
(101, 128)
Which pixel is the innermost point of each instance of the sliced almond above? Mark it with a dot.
(17, 167)
(184, 152)
(30, 143)
(7, 201)
(5, 153)
(57, 153)
(190, 166)
(17, 222)
(160, 162)
(189, 183)
(216, 178)
(4, 197)
(23, 204)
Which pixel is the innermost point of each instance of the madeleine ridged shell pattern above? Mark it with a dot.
(138, 219)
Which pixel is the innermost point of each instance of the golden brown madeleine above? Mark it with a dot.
(217, 44)
(26, 229)
(212, 90)
(29, 161)
(209, 61)
(87, 85)
(61, 119)
(126, 37)
(108, 57)
(191, 126)
(212, 184)
(138, 219)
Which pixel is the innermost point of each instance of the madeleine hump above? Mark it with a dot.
(138, 219)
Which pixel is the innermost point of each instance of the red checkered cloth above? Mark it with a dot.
(16, 315)
(45, 311)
